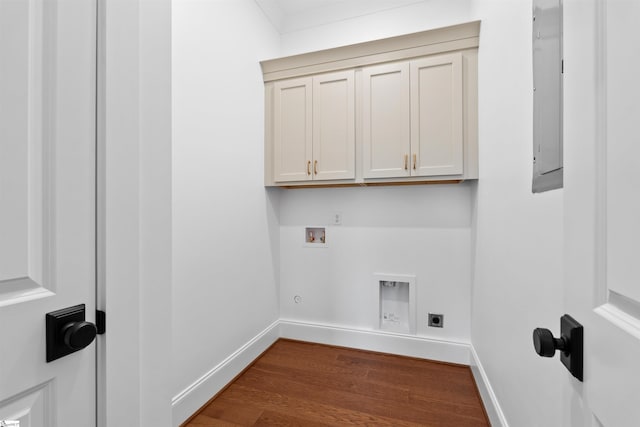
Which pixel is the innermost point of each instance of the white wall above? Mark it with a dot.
(518, 236)
(419, 230)
(225, 229)
(420, 16)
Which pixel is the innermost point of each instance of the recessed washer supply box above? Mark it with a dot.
(396, 303)
(315, 237)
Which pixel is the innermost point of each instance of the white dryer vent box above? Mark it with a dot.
(395, 296)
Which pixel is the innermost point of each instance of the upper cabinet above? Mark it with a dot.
(292, 130)
(412, 119)
(314, 128)
(386, 141)
(394, 111)
(334, 138)
(436, 116)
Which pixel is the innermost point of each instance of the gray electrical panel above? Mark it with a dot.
(547, 95)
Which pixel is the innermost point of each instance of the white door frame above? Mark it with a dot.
(134, 211)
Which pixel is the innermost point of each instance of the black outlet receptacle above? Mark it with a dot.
(436, 320)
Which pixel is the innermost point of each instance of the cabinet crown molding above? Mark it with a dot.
(430, 42)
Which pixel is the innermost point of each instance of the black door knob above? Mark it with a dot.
(569, 344)
(546, 345)
(78, 335)
(67, 331)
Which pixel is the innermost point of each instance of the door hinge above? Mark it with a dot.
(101, 322)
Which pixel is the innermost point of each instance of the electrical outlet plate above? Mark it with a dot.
(336, 218)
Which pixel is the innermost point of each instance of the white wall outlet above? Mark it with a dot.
(336, 218)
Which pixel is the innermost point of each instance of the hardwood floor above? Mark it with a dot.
(303, 384)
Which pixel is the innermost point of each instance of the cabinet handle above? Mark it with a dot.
(414, 161)
(406, 161)
(309, 167)
(315, 167)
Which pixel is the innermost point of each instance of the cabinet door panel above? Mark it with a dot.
(292, 130)
(385, 121)
(436, 116)
(334, 126)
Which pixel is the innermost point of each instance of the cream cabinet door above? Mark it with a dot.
(292, 130)
(436, 116)
(386, 148)
(334, 126)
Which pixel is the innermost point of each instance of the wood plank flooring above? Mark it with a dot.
(303, 384)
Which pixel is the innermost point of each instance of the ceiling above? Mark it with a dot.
(294, 15)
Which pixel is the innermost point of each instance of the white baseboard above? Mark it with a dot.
(491, 405)
(192, 398)
(383, 342)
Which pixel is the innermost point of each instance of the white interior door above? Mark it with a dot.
(47, 205)
(602, 207)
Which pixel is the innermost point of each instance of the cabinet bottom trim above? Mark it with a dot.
(370, 184)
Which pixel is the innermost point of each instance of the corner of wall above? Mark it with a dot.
(186, 403)
(489, 398)
(371, 340)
